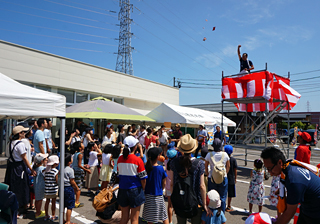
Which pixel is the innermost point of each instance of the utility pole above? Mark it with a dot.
(124, 59)
(308, 106)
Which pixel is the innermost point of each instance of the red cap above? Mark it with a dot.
(305, 136)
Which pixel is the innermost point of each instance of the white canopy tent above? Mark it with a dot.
(187, 115)
(18, 101)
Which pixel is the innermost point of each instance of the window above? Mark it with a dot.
(81, 97)
(92, 96)
(118, 100)
(45, 88)
(68, 94)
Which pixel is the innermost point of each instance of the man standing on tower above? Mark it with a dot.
(245, 64)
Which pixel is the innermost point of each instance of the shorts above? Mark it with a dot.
(69, 199)
(231, 190)
(51, 195)
(114, 177)
(168, 193)
(78, 177)
(131, 197)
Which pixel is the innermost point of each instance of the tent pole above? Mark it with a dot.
(62, 165)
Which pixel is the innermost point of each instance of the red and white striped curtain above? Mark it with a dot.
(257, 85)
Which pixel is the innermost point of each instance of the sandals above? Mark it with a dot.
(229, 209)
(78, 205)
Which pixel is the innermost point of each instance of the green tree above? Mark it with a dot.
(282, 125)
(298, 124)
(311, 126)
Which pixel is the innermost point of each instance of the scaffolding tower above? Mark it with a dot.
(124, 59)
(259, 125)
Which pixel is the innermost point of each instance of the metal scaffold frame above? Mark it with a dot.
(260, 123)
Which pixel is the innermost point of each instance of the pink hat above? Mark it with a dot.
(52, 160)
(259, 218)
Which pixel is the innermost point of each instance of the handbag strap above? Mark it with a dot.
(11, 151)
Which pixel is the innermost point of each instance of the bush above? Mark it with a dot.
(298, 124)
(282, 125)
(311, 126)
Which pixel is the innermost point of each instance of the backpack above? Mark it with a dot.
(103, 199)
(183, 197)
(219, 170)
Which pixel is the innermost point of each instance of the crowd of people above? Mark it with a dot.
(150, 165)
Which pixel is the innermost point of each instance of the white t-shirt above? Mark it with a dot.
(18, 150)
(163, 139)
(28, 148)
(141, 136)
(217, 157)
(93, 159)
(48, 137)
(108, 140)
(106, 158)
(85, 141)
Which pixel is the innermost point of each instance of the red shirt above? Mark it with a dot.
(148, 140)
(303, 153)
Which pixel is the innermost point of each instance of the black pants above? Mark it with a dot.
(198, 149)
(303, 219)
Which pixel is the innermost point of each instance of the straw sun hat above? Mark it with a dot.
(187, 144)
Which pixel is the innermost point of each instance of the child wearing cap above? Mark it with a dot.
(38, 183)
(232, 176)
(154, 208)
(171, 154)
(51, 187)
(214, 204)
(303, 152)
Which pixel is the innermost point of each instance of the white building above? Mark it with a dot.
(80, 81)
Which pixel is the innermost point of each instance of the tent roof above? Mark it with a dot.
(18, 101)
(101, 109)
(186, 115)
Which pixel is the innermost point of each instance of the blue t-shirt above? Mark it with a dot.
(213, 219)
(144, 158)
(303, 187)
(154, 181)
(39, 137)
(47, 135)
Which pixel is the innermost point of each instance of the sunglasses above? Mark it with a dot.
(270, 169)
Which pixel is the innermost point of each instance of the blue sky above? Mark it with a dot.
(168, 38)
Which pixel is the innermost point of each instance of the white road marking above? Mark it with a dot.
(76, 215)
(246, 182)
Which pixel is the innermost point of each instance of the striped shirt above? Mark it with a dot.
(51, 186)
(131, 172)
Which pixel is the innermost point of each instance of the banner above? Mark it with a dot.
(273, 132)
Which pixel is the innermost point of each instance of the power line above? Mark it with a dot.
(201, 80)
(88, 10)
(78, 17)
(200, 84)
(161, 2)
(91, 6)
(173, 47)
(59, 37)
(189, 36)
(195, 87)
(58, 20)
(314, 77)
(318, 70)
(71, 48)
(67, 31)
(176, 58)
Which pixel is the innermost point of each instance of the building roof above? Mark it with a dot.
(215, 107)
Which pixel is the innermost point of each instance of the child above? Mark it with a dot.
(38, 183)
(232, 176)
(274, 187)
(171, 154)
(70, 187)
(106, 170)
(79, 169)
(256, 188)
(214, 204)
(51, 187)
(92, 179)
(154, 208)
(114, 163)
